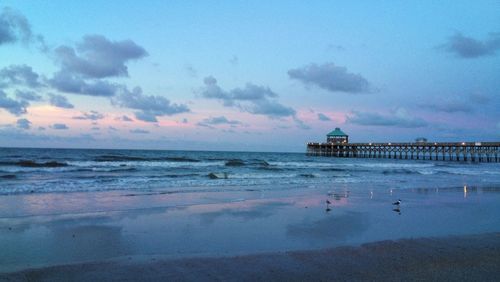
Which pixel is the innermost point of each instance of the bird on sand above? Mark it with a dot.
(397, 203)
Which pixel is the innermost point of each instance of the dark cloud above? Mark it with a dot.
(252, 98)
(150, 107)
(13, 27)
(27, 96)
(399, 119)
(11, 105)
(448, 107)
(124, 118)
(98, 57)
(59, 126)
(60, 101)
(252, 92)
(300, 124)
(92, 115)
(139, 131)
(23, 123)
(479, 98)
(331, 77)
(323, 117)
(269, 108)
(20, 75)
(222, 120)
(146, 116)
(66, 82)
(213, 91)
(468, 47)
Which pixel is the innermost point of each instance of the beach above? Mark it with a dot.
(180, 215)
(459, 258)
(266, 233)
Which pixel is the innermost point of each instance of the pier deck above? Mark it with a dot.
(454, 151)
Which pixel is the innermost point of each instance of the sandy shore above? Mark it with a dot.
(455, 258)
(252, 235)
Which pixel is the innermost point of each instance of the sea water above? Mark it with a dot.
(24, 170)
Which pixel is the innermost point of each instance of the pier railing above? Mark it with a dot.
(449, 151)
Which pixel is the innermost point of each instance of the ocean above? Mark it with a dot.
(24, 171)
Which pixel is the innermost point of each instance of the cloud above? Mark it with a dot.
(12, 106)
(271, 109)
(23, 123)
(330, 77)
(222, 120)
(252, 98)
(14, 27)
(124, 118)
(300, 124)
(146, 116)
(335, 47)
(20, 75)
(98, 57)
(139, 131)
(191, 71)
(323, 117)
(479, 98)
(92, 115)
(150, 107)
(399, 119)
(27, 96)
(448, 107)
(66, 82)
(468, 47)
(60, 101)
(234, 60)
(59, 126)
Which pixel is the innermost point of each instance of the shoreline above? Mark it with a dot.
(47, 230)
(465, 258)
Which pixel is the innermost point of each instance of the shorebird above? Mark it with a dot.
(328, 202)
(397, 203)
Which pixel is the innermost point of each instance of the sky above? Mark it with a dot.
(246, 75)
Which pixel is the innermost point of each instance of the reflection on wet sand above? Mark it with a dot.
(335, 227)
(246, 213)
(246, 222)
(397, 210)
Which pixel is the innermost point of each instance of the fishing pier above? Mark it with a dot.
(337, 145)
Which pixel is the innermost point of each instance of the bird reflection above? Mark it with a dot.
(328, 205)
(398, 210)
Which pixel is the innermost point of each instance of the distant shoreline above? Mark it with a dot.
(464, 258)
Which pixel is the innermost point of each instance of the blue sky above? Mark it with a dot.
(246, 75)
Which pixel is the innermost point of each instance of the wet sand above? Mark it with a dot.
(253, 234)
(457, 258)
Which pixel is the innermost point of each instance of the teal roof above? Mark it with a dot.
(337, 132)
